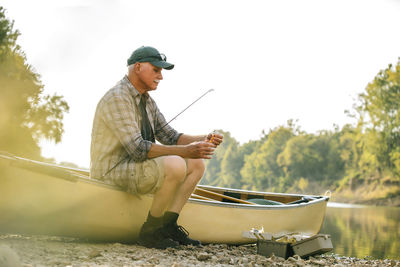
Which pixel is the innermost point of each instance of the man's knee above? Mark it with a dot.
(197, 165)
(175, 168)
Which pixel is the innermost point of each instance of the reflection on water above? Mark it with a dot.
(360, 231)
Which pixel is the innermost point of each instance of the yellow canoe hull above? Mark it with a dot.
(33, 202)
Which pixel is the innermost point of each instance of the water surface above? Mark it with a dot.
(360, 231)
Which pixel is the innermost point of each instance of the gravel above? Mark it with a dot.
(40, 251)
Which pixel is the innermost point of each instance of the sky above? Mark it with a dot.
(268, 61)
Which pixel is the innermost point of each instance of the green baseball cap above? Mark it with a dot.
(151, 55)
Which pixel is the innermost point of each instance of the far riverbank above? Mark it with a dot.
(369, 194)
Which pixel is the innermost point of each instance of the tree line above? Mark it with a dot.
(287, 159)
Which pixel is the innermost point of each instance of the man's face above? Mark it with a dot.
(149, 76)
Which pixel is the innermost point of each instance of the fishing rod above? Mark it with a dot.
(187, 107)
(210, 90)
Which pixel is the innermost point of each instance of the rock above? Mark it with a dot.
(297, 260)
(203, 256)
(318, 262)
(180, 253)
(8, 257)
(276, 259)
(94, 253)
(154, 260)
(224, 260)
(297, 257)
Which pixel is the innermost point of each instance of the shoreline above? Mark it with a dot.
(32, 251)
(378, 202)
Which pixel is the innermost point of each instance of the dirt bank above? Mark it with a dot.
(41, 251)
(380, 191)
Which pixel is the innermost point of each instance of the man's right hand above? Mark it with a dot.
(199, 150)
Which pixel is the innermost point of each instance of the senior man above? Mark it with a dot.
(124, 151)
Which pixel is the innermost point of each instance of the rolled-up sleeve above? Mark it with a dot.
(119, 116)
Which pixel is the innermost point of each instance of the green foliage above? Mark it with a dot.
(261, 169)
(26, 115)
(224, 167)
(379, 118)
(214, 166)
(230, 167)
(316, 157)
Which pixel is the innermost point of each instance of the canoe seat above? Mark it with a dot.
(261, 201)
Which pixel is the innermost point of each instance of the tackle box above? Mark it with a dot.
(288, 245)
(317, 244)
(279, 249)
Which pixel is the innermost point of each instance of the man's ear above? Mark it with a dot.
(137, 67)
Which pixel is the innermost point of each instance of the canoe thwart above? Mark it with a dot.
(220, 197)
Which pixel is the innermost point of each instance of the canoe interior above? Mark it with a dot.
(241, 194)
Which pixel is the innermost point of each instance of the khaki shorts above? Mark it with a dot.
(148, 176)
(144, 177)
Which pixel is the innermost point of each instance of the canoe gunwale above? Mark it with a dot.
(257, 207)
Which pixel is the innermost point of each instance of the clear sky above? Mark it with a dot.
(268, 61)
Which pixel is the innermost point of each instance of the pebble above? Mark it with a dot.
(203, 256)
(94, 253)
(8, 257)
(29, 251)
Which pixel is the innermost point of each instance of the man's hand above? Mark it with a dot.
(188, 146)
(199, 150)
(214, 138)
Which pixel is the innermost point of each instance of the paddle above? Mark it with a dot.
(208, 192)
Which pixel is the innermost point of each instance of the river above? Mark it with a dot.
(361, 231)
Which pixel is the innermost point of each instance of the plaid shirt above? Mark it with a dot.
(116, 135)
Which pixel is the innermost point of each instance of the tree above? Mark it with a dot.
(224, 167)
(230, 168)
(312, 158)
(261, 169)
(26, 115)
(379, 113)
(213, 166)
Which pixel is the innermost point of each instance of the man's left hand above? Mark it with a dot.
(214, 138)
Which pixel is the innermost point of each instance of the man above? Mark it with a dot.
(124, 151)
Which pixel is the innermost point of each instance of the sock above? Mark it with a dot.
(170, 217)
(154, 221)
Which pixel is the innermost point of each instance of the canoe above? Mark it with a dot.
(48, 199)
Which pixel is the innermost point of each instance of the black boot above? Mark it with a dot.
(176, 232)
(152, 235)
